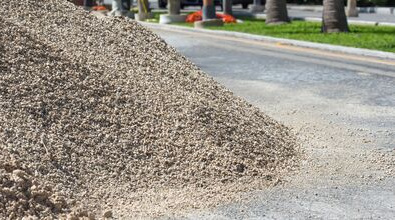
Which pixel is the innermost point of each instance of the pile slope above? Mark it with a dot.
(107, 114)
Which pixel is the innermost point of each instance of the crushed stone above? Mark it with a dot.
(103, 117)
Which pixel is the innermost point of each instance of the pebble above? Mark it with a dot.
(107, 214)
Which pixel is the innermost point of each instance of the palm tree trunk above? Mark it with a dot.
(334, 17)
(126, 5)
(208, 9)
(116, 8)
(143, 7)
(174, 7)
(257, 7)
(87, 4)
(227, 6)
(352, 10)
(276, 12)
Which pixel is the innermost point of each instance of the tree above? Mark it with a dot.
(227, 7)
(276, 12)
(116, 8)
(87, 4)
(257, 6)
(174, 7)
(334, 17)
(126, 4)
(352, 10)
(208, 9)
(209, 17)
(144, 11)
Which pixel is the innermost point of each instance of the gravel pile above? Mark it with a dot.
(99, 112)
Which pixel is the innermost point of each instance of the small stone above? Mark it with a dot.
(107, 214)
(240, 168)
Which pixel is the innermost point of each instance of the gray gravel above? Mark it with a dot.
(111, 117)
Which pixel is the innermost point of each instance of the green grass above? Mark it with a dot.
(361, 36)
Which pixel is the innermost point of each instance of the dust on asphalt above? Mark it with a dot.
(344, 118)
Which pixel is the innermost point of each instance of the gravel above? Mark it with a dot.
(103, 118)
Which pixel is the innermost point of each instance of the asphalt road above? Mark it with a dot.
(341, 106)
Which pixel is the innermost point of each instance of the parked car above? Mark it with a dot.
(244, 3)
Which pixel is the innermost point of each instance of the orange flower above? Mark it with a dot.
(197, 16)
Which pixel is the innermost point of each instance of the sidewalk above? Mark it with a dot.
(296, 14)
(371, 17)
(318, 8)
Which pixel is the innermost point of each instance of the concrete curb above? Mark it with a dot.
(350, 21)
(298, 43)
(168, 19)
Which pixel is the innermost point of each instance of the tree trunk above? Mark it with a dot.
(257, 2)
(143, 7)
(87, 4)
(334, 17)
(257, 6)
(174, 7)
(276, 12)
(116, 8)
(208, 9)
(352, 10)
(126, 5)
(227, 6)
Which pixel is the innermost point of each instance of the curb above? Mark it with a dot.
(350, 21)
(298, 43)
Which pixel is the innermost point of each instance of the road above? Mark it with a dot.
(341, 106)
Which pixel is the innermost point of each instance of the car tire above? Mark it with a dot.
(244, 5)
(162, 3)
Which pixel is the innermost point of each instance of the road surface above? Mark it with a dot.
(341, 106)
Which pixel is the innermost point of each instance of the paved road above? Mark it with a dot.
(343, 108)
(336, 76)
